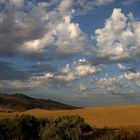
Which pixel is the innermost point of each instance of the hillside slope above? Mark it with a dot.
(21, 102)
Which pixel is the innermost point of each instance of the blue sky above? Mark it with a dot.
(81, 52)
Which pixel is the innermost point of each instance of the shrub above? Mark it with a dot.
(65, 128)
(29, 127)
(26, 127)
(22, 127)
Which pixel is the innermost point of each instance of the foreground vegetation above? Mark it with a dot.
(26, 127)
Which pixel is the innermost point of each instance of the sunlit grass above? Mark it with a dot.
(115, 116)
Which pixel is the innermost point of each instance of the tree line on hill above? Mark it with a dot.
(25, 127)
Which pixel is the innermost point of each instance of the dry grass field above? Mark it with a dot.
(109, 116)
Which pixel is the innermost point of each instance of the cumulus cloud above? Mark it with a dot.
(43, 28)
(119, 83)
(132, 76)
(119, 38)
(65, 6)
(32, 82)
(56, 78)
(33, 29)
(47, 29)
(16, 27)
(17, 3)
(79, 70)
(55, 28)
(121, 67)
(66, 36)
(83, 70)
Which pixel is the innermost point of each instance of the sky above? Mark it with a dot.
(80, 52)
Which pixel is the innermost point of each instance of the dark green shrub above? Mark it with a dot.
(29, 127)
(65, 128)
(26, 127)
(8, 129)
(21, 127)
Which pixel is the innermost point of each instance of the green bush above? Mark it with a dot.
(65, 128)
(26, 127)
(21, 127)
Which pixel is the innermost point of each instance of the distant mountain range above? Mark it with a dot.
(21, 102)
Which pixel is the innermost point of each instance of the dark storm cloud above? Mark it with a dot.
(41, 68)
(17, 27)
(105, 60)
(9, 73)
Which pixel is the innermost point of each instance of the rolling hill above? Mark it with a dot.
(21, 102)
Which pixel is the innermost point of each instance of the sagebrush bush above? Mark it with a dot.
(65, 128)
(27, 127)
(22, 127)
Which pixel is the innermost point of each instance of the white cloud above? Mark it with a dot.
(119, 38)
(17, 3)
(65, 6)
(121, 67)
(70, 38)
(118, 83)
(132, 76)
(83, 88)
(2, 1)
(40, 30)
(80, 69)
(83, 70)
(32, 82)
(61, 77)
(66, 36)
(107, 36)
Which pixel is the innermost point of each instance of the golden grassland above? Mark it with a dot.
(108, 116)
